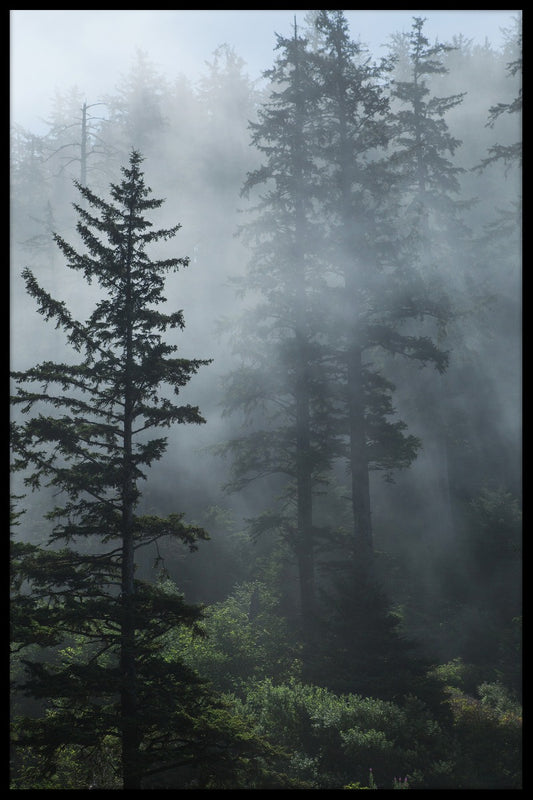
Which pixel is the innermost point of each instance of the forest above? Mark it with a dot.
(265, 428)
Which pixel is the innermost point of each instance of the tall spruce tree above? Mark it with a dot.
(283, 374)
(375, 298)
(434, 212)
(490, 579)
(94, 451)
(434, 235)
(423, 142)
(378, 292)
(510, 154)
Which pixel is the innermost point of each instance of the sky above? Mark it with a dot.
(56, 50)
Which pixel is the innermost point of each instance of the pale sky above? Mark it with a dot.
(92, 49)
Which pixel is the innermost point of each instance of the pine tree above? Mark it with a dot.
(423, 142)
(28, 179)
(435, 236)
(94, 451)
(378, 293)
(374, 301)
(281, 384)
(453, 411)
(137, 112)
(509, 154)
(226, 98)
(490, 473)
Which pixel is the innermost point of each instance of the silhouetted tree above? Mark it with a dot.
(508, 153)
(81, 145)
(281, 384)
(454, 412)
(378, 291)
(94, 452)
(432, 210)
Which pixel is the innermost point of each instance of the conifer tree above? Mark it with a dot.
(373, 300)
(282, 380)
(93, 448)
(435, 236)
(490, 472)
(137, 110)
(427, 181)
(226, 97)
(509, 154)
(423, 139)
(377, 293)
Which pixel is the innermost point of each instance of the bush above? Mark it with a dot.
(488, 739)
(336, 740)
(246, 639)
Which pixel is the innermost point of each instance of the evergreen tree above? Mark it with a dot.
(28, 179)
(435, 236)
(488, 615)
(281, 382)
(451, 261)
(226, 98)
(455, 412)
(378, 291)
(137, 113)
(500, 247)
(373, 297)
(82, 589)
(510, 154)
(423, 139)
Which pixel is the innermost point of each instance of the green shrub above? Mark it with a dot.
(246, 640)
(488, 739)
(335, 740)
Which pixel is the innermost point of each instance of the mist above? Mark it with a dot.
(192, 114)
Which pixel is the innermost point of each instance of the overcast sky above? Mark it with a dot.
(92, 49)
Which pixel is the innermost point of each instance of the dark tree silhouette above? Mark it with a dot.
(94, 452)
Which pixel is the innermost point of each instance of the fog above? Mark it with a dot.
(54, 50)
(182, 87)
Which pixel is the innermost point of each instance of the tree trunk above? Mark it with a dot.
(128, 700)
(83, 153)
(362, 522)
(129, 723)
(305, 546)
(304, 478)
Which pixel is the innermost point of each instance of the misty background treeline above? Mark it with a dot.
(339, 180)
